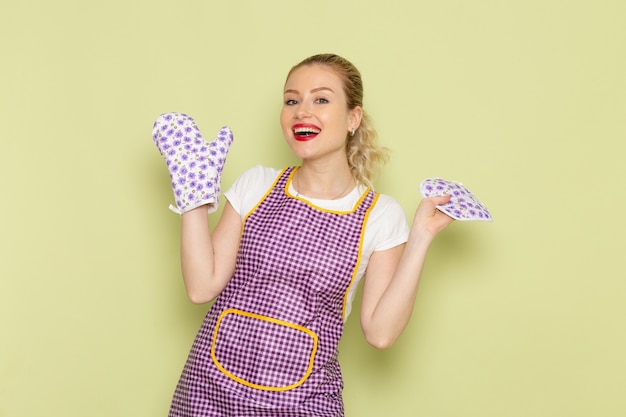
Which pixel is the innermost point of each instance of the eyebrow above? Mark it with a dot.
(315, 90)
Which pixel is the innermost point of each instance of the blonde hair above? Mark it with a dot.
(365, 156)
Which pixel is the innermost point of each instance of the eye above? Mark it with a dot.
(321, 100)
(290, 102)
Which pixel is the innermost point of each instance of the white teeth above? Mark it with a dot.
(300, 130)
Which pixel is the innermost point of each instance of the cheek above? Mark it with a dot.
(336, 122)
(285, 122)
(285, 117)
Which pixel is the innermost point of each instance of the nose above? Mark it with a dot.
(302, 112)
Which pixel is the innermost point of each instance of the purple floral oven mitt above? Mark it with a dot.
(195, 165)
(463, 205)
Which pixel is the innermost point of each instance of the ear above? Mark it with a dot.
(356, 115)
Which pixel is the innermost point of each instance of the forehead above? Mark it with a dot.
(309, 77)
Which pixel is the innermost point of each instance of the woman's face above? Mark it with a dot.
(315, 118)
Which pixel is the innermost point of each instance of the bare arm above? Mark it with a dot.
(208, 259)
(393, 276)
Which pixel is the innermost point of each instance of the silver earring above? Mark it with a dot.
(352, 132)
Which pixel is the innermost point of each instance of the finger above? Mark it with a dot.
(440, 199)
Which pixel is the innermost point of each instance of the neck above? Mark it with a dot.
(325, 184)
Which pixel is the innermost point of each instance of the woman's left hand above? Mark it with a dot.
(430, 221)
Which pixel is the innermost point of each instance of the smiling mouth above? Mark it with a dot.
(305, 132)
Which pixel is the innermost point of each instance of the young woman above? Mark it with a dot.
(288, 252)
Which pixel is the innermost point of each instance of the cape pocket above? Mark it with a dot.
(263, 352)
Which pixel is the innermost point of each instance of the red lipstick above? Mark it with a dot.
(304, 132)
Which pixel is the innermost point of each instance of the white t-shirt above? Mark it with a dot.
(386, 225)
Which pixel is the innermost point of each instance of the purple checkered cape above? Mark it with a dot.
(268, 346)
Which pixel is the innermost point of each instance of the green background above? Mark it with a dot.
(522, 101)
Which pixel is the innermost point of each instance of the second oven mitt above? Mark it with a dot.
(463, 205)
(195, 165)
